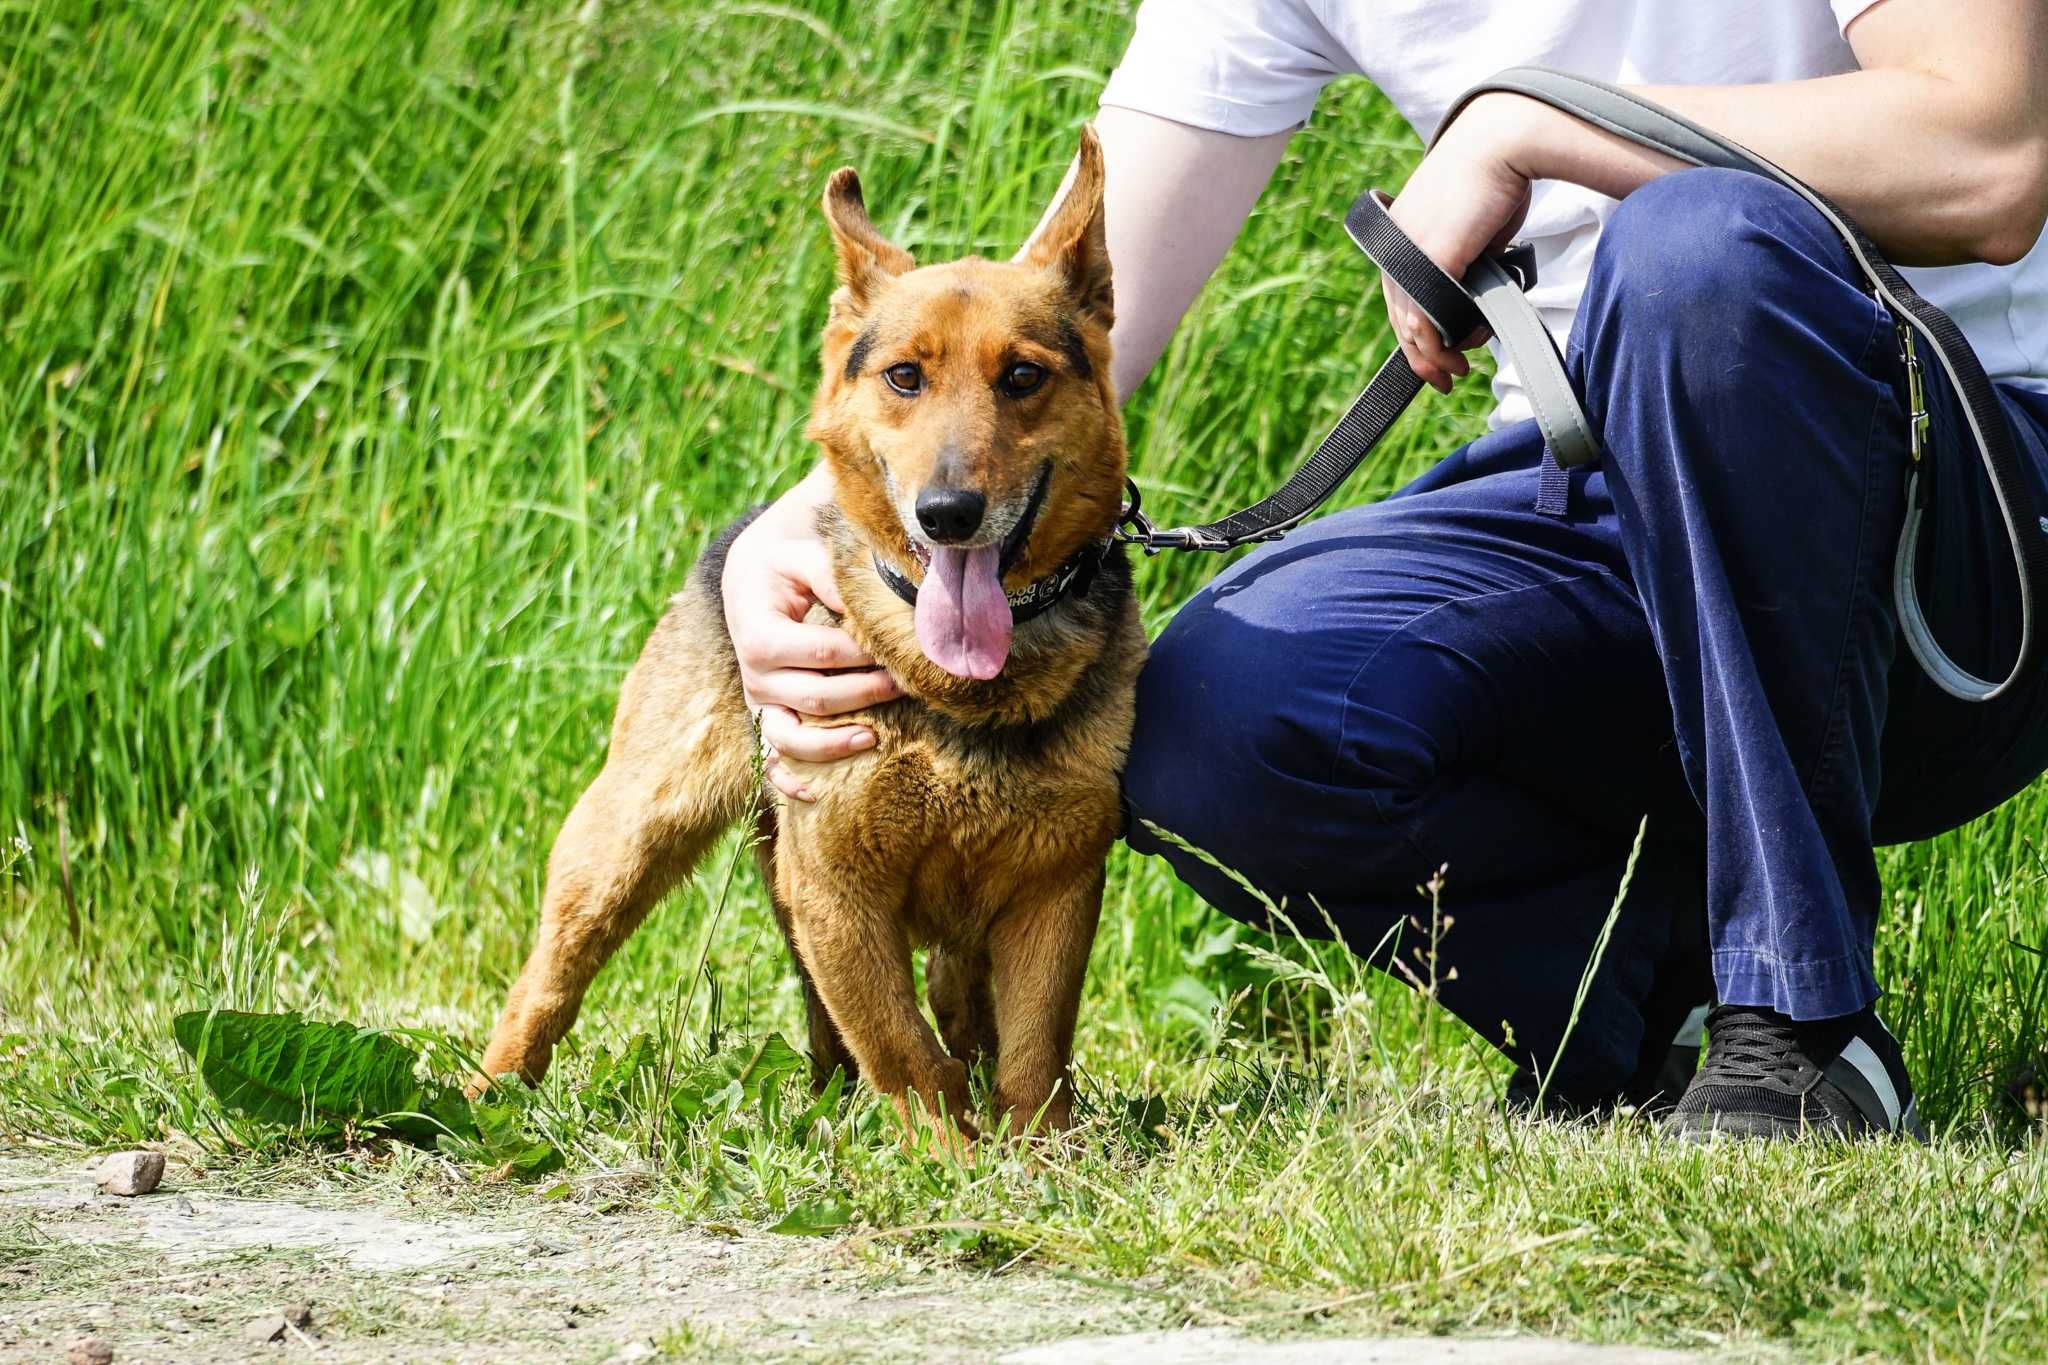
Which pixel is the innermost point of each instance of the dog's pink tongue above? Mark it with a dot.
(963, 619)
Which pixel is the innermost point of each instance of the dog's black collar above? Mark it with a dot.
(1070, 579)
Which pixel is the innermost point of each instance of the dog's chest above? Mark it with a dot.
(964, 828)
(964, 793)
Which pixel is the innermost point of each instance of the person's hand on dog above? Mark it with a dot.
(1467, 197)
(776, 569)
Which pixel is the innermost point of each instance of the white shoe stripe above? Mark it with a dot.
(1860, 1055)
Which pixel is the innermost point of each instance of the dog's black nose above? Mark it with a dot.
(950, 514)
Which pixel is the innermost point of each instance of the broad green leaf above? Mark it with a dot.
(715, 1090)
(284, 1069)
(816, 1218)
(1190, 1000)
(502, 1134)
(532, 1160)
(498, 1126)
(761, 1080)
(771, 1061)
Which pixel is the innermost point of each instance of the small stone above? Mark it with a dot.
(130, 1173)
(89, 1351)
(269, 1327)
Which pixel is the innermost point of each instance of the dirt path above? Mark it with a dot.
(189, 1273)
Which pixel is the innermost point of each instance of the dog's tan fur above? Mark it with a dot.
(978, 824)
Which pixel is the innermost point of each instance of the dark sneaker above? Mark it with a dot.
(1662, 1074)
(1769, 1076)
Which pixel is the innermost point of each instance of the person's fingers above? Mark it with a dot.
(778, 725)
(1438, 358)
(782, 780)
(1426, 369)
(772, 722)
(788, 735)
(822, 694)
(774, 641)
(1409, 325)
(810, 564)
(1434, 363)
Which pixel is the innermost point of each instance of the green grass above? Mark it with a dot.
(369, 376)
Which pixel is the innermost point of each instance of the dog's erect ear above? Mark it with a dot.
(866, 258)
(1069, 239)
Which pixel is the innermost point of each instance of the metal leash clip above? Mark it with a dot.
(1133, 527)
(1916, 391)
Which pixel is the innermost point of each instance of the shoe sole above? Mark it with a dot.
(1702, 1128)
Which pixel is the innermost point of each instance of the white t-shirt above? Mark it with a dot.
(1252, 67)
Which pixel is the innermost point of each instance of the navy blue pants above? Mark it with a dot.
(1449, 679)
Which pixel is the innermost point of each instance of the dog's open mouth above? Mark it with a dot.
(963, 616)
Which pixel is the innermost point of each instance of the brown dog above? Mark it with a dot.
(967, 415)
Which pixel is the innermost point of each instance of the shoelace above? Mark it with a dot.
(1744, 1044)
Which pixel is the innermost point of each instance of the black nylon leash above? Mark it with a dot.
(1492, 292)
(1364, 424)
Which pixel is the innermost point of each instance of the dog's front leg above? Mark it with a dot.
(850, 936)
(1038, 949)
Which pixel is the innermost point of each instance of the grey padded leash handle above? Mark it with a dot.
(1492, 289)
(1619, 112)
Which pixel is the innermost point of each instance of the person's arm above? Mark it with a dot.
(1173, 200)
(1938, 148)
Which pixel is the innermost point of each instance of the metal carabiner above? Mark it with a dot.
(1141, 532)
(1918, 418)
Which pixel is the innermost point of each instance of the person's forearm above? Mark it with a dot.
(1939, 149)
(1903, 153)
(1174, 198)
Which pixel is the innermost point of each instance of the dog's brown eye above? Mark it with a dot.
(906, 378)
(1022, 378)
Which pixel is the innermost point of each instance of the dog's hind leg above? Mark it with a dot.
(680, 770)
(956, 984)
(829, 1052)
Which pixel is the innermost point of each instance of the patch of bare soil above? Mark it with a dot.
(1215, 1346)
(193, 1273)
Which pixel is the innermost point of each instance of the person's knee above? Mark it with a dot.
(1708, 288)
(1254, 749)
(1696, 253)
(1217, 740)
